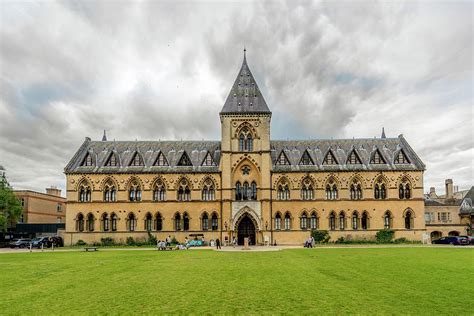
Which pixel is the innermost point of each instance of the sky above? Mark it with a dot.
(152, 70)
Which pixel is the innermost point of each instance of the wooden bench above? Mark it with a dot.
(91, 249)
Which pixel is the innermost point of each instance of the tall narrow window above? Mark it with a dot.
(254, 191)
(134, 191)
(342, 221)
(304, 221)
(208, 192)
(177, 222)
(408, 220)
(331, 191)
(90, 222)
(287, 221)
(380, 191)
(109, 191)
(245, 191)
(184, 193)
(85, 192)
(148, 222)
(185, 221)
(404, 190)
(307, 191)
(364, 222)
(356, 191)
(314, 221)
(245, 140)
(113, 221)
(159, 191)
(278, 221)
(283, 190)
(205, 222)
(105, 222)
(159, 222)
(332, 221)
(80, 223)
(387, 220)
(355, 221)
(214, 222)
(238, 191)
(132, 222)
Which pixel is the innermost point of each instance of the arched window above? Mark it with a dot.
(304, 221)
(80, 222)
(314, 221)
(356, 191)
(159, 222)
(238, 191)
(90, 222)
(364, 221)
(110, 191)
(254, 191)
(208, 192)
(287, 221)
(342, 221)
(307, 191)
(185, 221)
(408, 220)
(177, 222)
(380, 191)
(148, 222)
(241, 142)
(245, 191)
(331, 190)
(84, 192)
(205, 222)
(184, 192)
(105, 222)
(404, 190)
(132, 222)
(113, 222)
(159, 191)
(387, 220)
(278, 221)
(355, 221)
(332, 221)
(283, 190)
(245, 140)
(134, 191)
(214, 222)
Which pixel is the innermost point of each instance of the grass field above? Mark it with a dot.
(309, 281)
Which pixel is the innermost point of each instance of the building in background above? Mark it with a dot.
(450, 214)
(42, 208)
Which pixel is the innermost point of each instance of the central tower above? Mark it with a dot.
(245, 155)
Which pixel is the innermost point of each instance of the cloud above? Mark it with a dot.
(162, 70)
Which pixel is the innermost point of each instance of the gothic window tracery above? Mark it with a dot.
(85, 192)
(159, 191)
(134, 191)
(307, 190)
(110, 191)
(208, 192)
(283, 192)
(331, 190)
(184, 191)
(245, 140)
(380, 190)
(404, 190)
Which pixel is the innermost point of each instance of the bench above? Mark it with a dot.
(91, 249)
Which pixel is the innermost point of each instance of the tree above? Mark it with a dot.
(10, 206)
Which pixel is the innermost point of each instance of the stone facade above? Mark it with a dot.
(244, 185)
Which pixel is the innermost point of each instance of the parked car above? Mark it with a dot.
(57, 241)
(41, 241)
(470, 239)
(451, 240)
(20, 243)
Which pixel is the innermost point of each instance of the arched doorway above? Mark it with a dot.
(246, 228)
(436, 235)
(453, 233)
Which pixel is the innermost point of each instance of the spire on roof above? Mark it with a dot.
(383, 133)
(104, 138)
(245, 96)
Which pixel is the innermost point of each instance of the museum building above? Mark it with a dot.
(245, 185)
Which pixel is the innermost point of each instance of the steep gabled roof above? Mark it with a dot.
(245, 96)
(184, 160)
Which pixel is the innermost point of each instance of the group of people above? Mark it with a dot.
(309, 243)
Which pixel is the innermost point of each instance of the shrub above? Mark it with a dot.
(320, 236)
(107, 241)
(81, 242)
(174, 241)
(130, 241)
(401, 240)
(341, 240)
(384, 236)
(151, 239)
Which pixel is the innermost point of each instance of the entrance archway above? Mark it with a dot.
(246, 228)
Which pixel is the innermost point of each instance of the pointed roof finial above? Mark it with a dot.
(104, 138)
(245, 54)
(383, 133)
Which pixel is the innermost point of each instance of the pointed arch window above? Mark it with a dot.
(353, 158)
(158, 222)
(287, 221)
(80, 223)
(330, 159)
(332, 221)
(112, 161)
(355, 220)
(105, 222)
(205, 222)
(282, 159)
(404, 190)
(306, 159)
(331, 191)
(401, 158)
(87, 161)
(377, 158)
(113, 222)
(253, 195)
(110, 191)
(85, 192)
(214, 222)
(356, 191)
(148, 222)
(304, 221)
(342, 221)
(408, 220)
(380, 191)
(238, 191)
(159, 191)
(245, 140)
(184, 191)
(161, 160)
(208, 191)
(387, 220)
(137, 160)
(283, 190)
(184, 160)
(364, 221)
(307, 191)
(90, 222)
(177, 222)
(208, 161)
(185, 221)
(314, 221)
(134, 191)
(278, 221)
(131, 222)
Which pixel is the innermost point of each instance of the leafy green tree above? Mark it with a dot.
(10, 206)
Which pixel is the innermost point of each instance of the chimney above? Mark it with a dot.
(449, 188)
(53, 190)
(433, 193)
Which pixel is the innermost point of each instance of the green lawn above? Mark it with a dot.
(329, 281)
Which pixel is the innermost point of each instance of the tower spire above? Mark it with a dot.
(245, 54)
(104, 138)
(383, 133)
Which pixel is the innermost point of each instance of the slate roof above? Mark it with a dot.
(100, 151)
(149, 150)
(467, 204)
(341, 148)
(245, 96)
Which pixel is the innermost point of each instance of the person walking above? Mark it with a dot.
(218, 244)
(234, 242)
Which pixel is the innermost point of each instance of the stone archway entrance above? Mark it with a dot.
(246, 228)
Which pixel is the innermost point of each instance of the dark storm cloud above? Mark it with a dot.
(162, 70)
